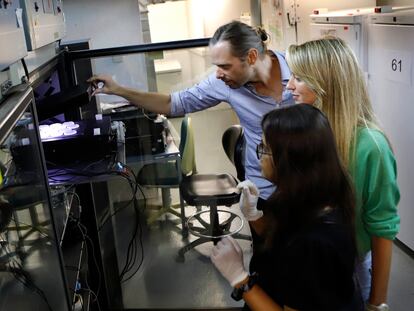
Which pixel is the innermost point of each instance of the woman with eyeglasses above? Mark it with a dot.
(307, 259)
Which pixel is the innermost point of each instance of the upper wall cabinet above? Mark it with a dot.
(44, 22)
(12, 43)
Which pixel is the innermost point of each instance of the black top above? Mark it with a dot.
(311, 269)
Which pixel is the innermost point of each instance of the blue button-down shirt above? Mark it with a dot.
(249, 106)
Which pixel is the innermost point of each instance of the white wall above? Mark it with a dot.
(168, 21)
(219, 12)
(274, 21)
(195, 9)
(109, 24)
(179, 20)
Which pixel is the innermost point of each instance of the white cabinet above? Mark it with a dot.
(390, 57)
(350, 25)
(350, 33)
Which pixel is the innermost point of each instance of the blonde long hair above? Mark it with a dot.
(329, 67)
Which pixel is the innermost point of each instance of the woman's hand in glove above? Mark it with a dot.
(248, 200)
(227, 256)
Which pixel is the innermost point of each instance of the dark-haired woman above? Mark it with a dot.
(307, 260)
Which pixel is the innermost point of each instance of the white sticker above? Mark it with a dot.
(25, 141)
(398, 66)
(96, 131)
(19, 13)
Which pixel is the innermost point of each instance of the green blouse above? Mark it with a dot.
(374, 173)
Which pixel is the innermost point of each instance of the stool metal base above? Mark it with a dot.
(215, 229)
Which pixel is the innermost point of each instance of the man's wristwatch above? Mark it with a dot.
(381, 307)
(238, 292)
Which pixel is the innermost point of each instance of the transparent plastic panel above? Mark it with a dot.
(164, 273)
(30, 267)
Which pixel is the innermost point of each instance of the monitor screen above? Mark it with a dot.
(49, 86)
(52, 101)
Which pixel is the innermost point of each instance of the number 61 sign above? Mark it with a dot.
(398, 66)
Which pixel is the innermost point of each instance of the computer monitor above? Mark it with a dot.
(48, 87)
(52, 101)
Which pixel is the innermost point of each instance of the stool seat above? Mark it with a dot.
(207, 189)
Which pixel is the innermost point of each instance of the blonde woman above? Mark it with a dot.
(326, 74)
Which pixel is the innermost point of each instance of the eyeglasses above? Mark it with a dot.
(261, 149)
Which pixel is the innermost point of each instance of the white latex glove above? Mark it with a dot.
(248, 200)
(227, 256)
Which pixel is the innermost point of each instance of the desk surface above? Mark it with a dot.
(106, 168)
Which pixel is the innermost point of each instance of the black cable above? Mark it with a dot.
(142, 257)
(131, 256)
(75, 173)
(105, 217)
(86, 239)
(81, 172)
(131, 250)
(76, 196)
(26, 71)
(84, 233)
(72, 175)
(96, 297)
(132, 246)
(95, 163)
